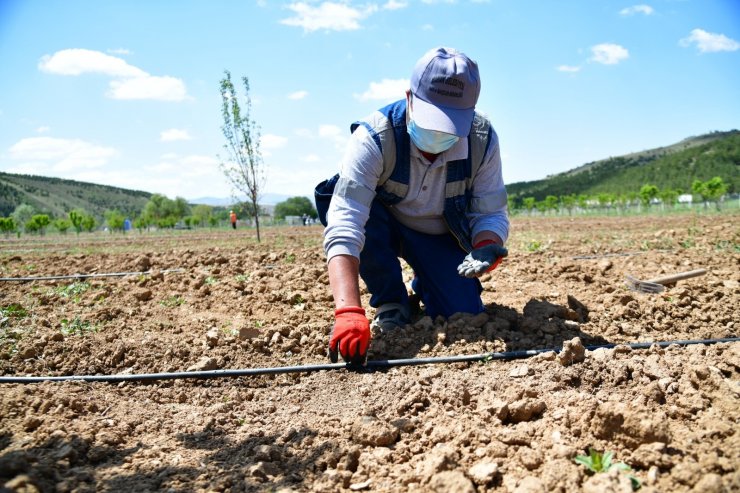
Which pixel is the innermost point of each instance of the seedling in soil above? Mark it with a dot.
(13, 310)
(172, 301)
(533, 246)
(259, 323)
(211, 280)
(77, 326)
(73, 290)
(598, 462)
(290, 258)
(241, 277)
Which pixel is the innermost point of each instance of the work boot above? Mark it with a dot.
(391, 316)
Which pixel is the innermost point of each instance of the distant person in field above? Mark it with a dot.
(420, 180)
(232, 218)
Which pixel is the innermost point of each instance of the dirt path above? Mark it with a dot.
(515, 426)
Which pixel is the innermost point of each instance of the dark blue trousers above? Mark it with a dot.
(434, 259)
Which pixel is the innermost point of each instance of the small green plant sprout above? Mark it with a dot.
(77, 326)
(241, 277)
(73, 291)
(211, 280)
(259, 324)
(533, 246)
(172, 301)
(13, 310)
(596, 462)
(290, 258)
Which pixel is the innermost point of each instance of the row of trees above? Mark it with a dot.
(160, 212)
(710, 191)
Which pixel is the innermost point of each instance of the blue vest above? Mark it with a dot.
(388, 130)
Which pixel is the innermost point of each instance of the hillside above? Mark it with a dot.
(56, 196)
(675, 166)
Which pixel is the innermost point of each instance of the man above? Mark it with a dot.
(232, 218)
(421, 180)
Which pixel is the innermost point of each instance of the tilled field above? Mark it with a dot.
(670, 413)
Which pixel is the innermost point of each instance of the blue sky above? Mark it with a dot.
(126, 93)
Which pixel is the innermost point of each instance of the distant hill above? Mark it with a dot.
(56, 196)
(675, 166)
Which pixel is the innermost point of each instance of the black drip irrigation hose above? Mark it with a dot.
(607, 255)
(86, 276)
(369, 366)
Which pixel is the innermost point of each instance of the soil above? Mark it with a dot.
(670, 413)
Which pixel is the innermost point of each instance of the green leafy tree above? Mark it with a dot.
(7, 225)
(77, 218)
(23, 214)
(164, 212)
(202, 214)
(295, 206)
(604, 199)
(711, 190)
(551, 203)
(529, 204)
(37, 223)
(647, 194)
(88, 223)
(115, 220)
(669, 197)
(568, 202)
(62, 224)
(243, 165)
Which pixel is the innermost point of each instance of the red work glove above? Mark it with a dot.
(350, 336)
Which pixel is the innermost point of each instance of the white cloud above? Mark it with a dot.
(298, 95)
(303, 132)
(330, 131)
(270, 141)
(394, 5)
(148, 87)
(707, 42)
(60, 154)
(174, 134)
(386, 90)
(609, 53)
(43, 129)
(330, 16)
(637, 9)
(568, 68)
(130, 82)
(427, 27)
(312, 158)
(120, 51)
(79, 61)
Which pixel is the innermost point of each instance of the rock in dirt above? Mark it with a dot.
(212, 337)
(530, 484)
(613, 481)
(142, 294)
(204, 364)
(447, 481)
(573, 352)
(483, 472)
(369, 430)
(22, 484)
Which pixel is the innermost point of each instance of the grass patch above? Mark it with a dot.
(172, 301)
(77, 326)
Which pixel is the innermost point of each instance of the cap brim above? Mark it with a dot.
(448, 120)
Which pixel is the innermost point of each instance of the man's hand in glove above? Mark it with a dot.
(485, 257)
(350, 336)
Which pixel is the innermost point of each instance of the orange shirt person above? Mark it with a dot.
(232, 217)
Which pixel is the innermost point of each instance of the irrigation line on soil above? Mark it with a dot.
(371, 365)
(86, 276)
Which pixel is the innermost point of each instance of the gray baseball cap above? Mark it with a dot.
(445, 85)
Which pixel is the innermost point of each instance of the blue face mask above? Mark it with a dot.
(430, 141)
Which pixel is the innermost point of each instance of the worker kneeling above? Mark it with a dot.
(420, 180)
